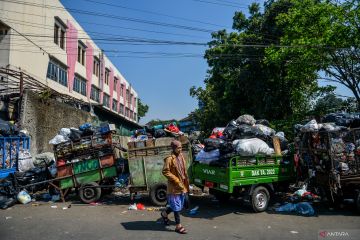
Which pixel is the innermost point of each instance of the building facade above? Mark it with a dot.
(41, 38)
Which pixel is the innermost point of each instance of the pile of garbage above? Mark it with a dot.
(86, 129)
(244, 136)
(145, 137)
(328, 151)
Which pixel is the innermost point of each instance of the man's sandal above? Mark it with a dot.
(181, 230)
(165, 219)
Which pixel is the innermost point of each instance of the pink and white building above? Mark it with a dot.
(41, 38)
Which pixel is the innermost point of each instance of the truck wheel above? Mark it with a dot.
(158, 194)
(260, 198)
(222, 197)
(90, 192)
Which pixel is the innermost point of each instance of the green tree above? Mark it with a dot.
(142, 109)
(240, 78)
(322, 38)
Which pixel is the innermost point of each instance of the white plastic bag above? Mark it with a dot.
(58, 139)
(65, 132)
(265, 130)
(252, 146)
(246, 119)
(310, 126)
(23, 197)
(25, 162)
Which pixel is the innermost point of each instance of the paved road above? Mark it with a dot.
(113, 220)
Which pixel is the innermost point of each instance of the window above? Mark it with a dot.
(115, 83)
(126, 112)
(96, 67)
(131, 99)
(135, 102)
(106, 100)
(128, 96)
(131, 114)
(56, 34)
(114, 105)
(122, 90)
(135, 117)
(107, 75)
(57, 73)
(80, 85)
(95, 94)
(59, 32)
(121, 109)
(81, 52)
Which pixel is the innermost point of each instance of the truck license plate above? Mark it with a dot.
(209, 184)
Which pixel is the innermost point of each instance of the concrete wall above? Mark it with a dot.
(44, 118)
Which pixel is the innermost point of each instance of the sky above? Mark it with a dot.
(161, 74)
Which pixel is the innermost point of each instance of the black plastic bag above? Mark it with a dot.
(75, 134)
(231, 130)
(263, 122)
(159, 133)
(6, 202)
(212, 144)
(226, 147)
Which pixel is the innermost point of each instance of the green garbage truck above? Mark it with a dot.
(255, 178)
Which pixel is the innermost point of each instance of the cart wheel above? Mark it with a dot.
(90, 192)
(260, 199)
(158, 194)
(222, 197)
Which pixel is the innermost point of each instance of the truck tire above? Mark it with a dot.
(260, 198)
(90, 192)
(222, 197)
(158, 194)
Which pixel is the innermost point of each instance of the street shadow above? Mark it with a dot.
(145, 226)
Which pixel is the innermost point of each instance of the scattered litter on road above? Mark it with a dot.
(53, 206)
(94, 204)
(269, 227)
(140, 206)
(27, 218)
(194, 210)
(8, 218)
(132, 207)
(215, 227)
(35, 204)
(123, 212)
(150, 209)
(294, 232)
(64, 208)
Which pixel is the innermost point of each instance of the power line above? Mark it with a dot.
(224, 3)
(84, 12)
(154, 13)
(38, 25)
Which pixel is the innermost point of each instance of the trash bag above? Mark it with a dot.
(6, 128)
(65, 132)
(302, 208)
(263, 122)
(85, 126)
(58, 139)
(212, 144)
(75, 134)
(251, 147)
(25, 161)
(246, 119)
(226, 147)
(231, 130)
(265, 130)
(159, 133)
(23, 197)
(206, 157)
(310, 126)
(6, 201)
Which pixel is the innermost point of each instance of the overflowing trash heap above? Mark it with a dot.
(328, 154)
(244, 136)
(146, 136)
